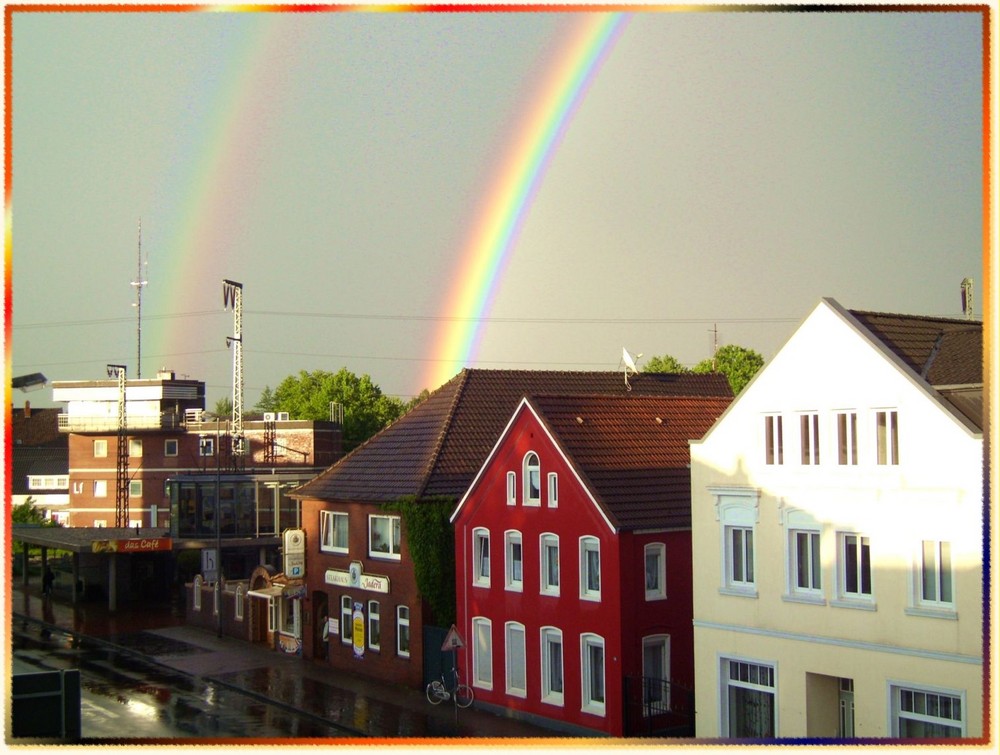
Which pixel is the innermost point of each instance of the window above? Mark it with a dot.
(847, 438)
(855, 566)
(272, 615)
(170, 447)
(238, 603)
(333, 531)
(553, 499)
(845, 726)
(100, 488)
(291, 621)
(206, 446)
(513, 561)
(135, 447)
(135, 488)
(739, 558)
(552, 666)
(549, 557)
(590, 568)
(403, 631)
(656, 571)
(481, 557)
(532, 480)
(100, 522)
(748, 700)
(346, 619)
(935, 573)
(886, 437)
(737, 513)
(511, 489)
(809, 436)
(592, 673)
(100, 449)
(774, 452)
(516, 673)
(482, 653)
(806, 564)
(926, 714)
(656, 674)
(374, 625)
(384, 536)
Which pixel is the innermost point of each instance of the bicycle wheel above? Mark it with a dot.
(464, 695)
(436, 692)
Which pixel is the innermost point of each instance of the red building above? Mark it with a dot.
(573, 553)
(362, 611)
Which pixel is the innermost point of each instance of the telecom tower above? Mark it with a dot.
(967, 298)
(121, 476)
(138, 284)
(232, 293)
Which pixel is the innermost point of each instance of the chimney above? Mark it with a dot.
(27, 410)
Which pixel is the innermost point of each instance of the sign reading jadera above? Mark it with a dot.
(131, 545)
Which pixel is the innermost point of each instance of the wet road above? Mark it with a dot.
(127, 698)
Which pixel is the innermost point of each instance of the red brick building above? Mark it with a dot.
(573, 551)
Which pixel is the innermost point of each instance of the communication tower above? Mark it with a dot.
(138, 284)
(232, 294)
(967, 298)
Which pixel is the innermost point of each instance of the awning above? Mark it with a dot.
(267, 592)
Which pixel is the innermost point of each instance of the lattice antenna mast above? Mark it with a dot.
(121, 476)
(967, 298)
(139, 283)
(232, 294)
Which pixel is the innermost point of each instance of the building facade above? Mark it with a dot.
(837, 515)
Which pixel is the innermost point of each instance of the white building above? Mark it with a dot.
(837, 516)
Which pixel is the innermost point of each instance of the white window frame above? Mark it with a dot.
(346, 619)
(846, 594)
(740, 558)
(737, 508)
(552, 499)
(886, 437)
(934, 576)
(515, 659)
(135, 447)
(135, 488)
(100, 488)
(196, 592)
(170, 447)
(395, 529)
(658, 591)
(532, 478)
(651, 705)
(847, 438)
(374, 637)
(480, 560)
(774, 442)
(809, 438)
(206, 445)
(589, 675)
(328, 531)
(925, 697)
(238, 603)
(548, 541)
(753, 670)
(513, 558)
(588, 545)
(482, 653)
(403, 623)
(100, 448)
(512, 488)
(808, 564)
(553, 690)
(272, 614)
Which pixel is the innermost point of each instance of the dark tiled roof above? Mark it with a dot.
(633, 451)
(36, 460)
(942, 351)
(439, 446)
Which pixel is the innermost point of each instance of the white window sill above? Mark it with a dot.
(481, 584)
(556, 700)
(522, 693)
(591, 597)
(338, 551)
(813, 600)
(650, 597)
(593, 709)
(738, 592)
(519, 587)
(549, 593)
(385, 556)
(949, 614)
(858, 604)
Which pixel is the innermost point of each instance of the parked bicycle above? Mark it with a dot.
(439, 690)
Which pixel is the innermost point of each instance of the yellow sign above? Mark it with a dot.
(359, 631)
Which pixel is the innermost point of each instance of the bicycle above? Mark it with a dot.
(438, 691)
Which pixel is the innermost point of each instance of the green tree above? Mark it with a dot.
(738, 363)
(267, 402)
(666, 363)
(308, 395)
(224, 407)
(26, 513)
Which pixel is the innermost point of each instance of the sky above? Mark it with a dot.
(708, 178)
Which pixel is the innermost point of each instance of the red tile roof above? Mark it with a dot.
(438, 447)
(632, 451)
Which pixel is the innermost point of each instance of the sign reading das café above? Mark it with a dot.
(131, 545)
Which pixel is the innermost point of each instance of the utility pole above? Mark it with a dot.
(715, 346)
(138, 284)
(121, 476)
(232, 293)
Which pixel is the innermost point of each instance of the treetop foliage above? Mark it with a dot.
(738, 363)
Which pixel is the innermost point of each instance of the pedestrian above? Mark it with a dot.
(47, 579)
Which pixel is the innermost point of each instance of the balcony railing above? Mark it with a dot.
(69, 423)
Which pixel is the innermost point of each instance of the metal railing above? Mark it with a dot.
(71, 423)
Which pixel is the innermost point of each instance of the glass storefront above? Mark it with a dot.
(247, 506)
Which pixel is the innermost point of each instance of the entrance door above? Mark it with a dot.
(321, 626)
(846, 728)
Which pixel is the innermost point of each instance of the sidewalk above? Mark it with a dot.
(359, 704)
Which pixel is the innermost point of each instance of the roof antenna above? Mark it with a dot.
(629, 362)
(138, 283)
(967, 298)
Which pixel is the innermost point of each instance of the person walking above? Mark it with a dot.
(47, 579)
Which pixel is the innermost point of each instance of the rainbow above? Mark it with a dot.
(495, 231)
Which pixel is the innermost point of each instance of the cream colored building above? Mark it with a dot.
(837, 517)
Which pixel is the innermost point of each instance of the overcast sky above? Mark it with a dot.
(723, 169)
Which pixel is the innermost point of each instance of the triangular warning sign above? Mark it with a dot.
(452, 640)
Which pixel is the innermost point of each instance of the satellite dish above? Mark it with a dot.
(629, 361)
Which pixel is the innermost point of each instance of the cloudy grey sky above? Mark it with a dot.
(722, 169)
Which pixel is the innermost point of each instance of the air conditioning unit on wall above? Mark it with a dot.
(282, 416)
(269, 416)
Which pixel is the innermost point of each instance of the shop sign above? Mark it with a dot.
(131, 545)
(355, 578)
(358, 631)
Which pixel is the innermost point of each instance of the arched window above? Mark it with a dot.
(532, 480)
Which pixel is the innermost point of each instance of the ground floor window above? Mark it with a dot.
(374, 625)
(592, 676)
(346, 619)
(403, 631)
(748, 699)
(289, 613)
(656, 674)
(926, 714)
